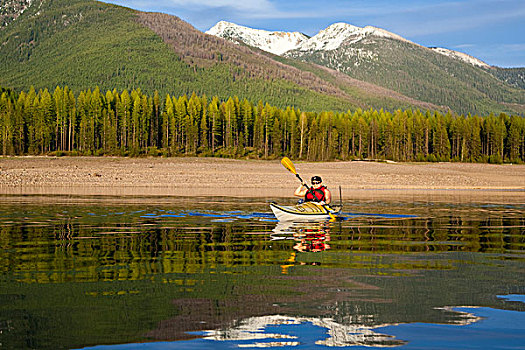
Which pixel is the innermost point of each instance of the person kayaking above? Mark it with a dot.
(317, 193)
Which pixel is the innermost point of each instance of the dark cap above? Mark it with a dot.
(316, 179)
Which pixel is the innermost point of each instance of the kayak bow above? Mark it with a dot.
(304, 211)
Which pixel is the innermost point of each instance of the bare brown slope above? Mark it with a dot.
(203, 50)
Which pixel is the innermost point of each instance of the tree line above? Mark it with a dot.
(133, 123)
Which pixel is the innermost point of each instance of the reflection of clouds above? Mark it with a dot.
(283, 230)
(463, 318)
(269, 345)
(338, 335)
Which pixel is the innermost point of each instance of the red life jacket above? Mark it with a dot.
(315, 195)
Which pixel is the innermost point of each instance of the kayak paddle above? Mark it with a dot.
(287, 163)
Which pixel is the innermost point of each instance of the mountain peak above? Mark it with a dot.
(334, 35)
(331, 37)
(274, 42)
(221, 26)
(340, 27)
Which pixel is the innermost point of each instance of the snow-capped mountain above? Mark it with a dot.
(279, 43)
(274, 42)
(460, 56)
(336, 34)
(332, 38)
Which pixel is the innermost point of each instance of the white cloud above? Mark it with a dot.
(514, 47)
(464, 46)
(244, 6)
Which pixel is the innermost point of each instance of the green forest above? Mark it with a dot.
(134, 124)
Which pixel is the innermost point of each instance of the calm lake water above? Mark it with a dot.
(165, 273)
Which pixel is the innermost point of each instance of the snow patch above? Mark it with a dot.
(460, 56)
(274, 42)
(379, 32)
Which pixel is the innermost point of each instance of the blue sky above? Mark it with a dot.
(491, 30)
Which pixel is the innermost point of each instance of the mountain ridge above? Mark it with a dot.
(439, 76)
(325, 39)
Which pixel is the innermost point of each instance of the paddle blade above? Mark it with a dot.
(287, 163)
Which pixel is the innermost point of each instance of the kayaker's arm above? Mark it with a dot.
(301, 190)
(328, 196)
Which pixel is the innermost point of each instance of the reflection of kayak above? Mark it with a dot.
(304, 211)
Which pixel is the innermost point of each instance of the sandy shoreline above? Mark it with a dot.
(116, 176)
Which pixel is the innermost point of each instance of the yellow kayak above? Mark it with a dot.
(304, 211)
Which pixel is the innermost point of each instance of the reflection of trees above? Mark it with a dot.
(308, 237)
(498, 235)
(313, 238)
(127, 251)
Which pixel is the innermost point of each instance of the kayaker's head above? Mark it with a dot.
(316, 181)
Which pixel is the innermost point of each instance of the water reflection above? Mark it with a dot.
(301, 332)
(309, 237)
(331, 334)
(500, 329)
(76, 274)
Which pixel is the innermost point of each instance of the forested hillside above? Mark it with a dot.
(512, 76)
(424, 75)
(134, 123)
(85, 43)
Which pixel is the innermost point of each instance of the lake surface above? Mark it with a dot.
(180, 273)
